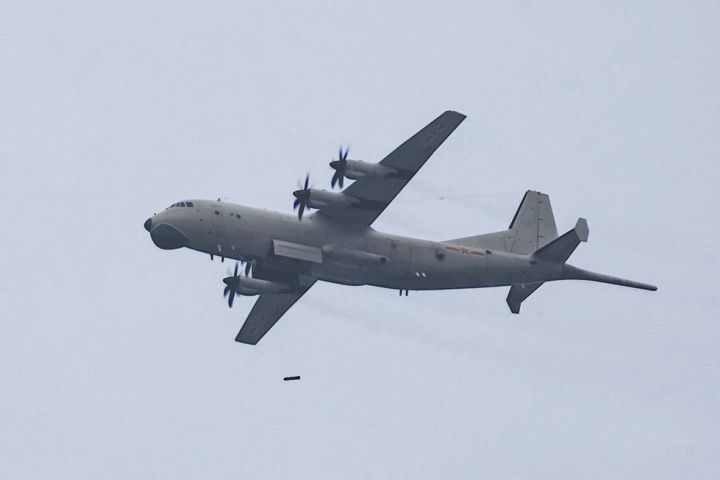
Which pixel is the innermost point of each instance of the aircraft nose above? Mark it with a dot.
(148, 224)
(168, 237)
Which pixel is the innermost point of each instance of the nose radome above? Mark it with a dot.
(148, 224)
(168, 237)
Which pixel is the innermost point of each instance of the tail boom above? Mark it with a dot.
(574, 273)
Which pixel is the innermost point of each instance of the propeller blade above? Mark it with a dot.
(248, 268)
(302, 197)
(302, 209)
(232, 283)
(339, 165)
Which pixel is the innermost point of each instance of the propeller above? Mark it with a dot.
(232, 282)
(302, 197)
(340, 166)
(248, 268)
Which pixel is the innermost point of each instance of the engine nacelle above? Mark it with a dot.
(357, 169)
(254, 286)
(323, 198)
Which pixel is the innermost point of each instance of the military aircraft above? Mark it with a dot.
(284, 255)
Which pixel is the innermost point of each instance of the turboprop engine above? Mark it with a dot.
(249, 286)
(254, 286)
(307, 197)
(356, 169)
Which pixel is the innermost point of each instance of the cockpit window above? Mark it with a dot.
(181, 204)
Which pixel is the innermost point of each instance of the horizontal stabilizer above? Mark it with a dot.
(560, 249)
(518, 293)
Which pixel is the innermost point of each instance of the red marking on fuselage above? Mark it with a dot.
(465, 250)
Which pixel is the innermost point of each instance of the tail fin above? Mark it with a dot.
(532, 227)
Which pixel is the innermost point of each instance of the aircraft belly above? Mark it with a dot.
(349, 271)
(429, 271)
(338, 274)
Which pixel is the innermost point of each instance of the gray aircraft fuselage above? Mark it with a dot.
(352, 255)
(285, 255)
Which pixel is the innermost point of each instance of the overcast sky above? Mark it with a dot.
(118, 360)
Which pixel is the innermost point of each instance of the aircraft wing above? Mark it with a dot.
(266, 312)
(376, 193)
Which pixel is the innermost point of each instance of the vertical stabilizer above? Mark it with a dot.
(532, 227)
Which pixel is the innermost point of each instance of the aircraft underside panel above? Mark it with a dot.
(298, 251)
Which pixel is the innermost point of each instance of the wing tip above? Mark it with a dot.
(455, 113)
(246, 341)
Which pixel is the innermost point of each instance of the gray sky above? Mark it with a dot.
(117, 360)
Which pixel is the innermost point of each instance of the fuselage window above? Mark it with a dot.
(217, 212)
